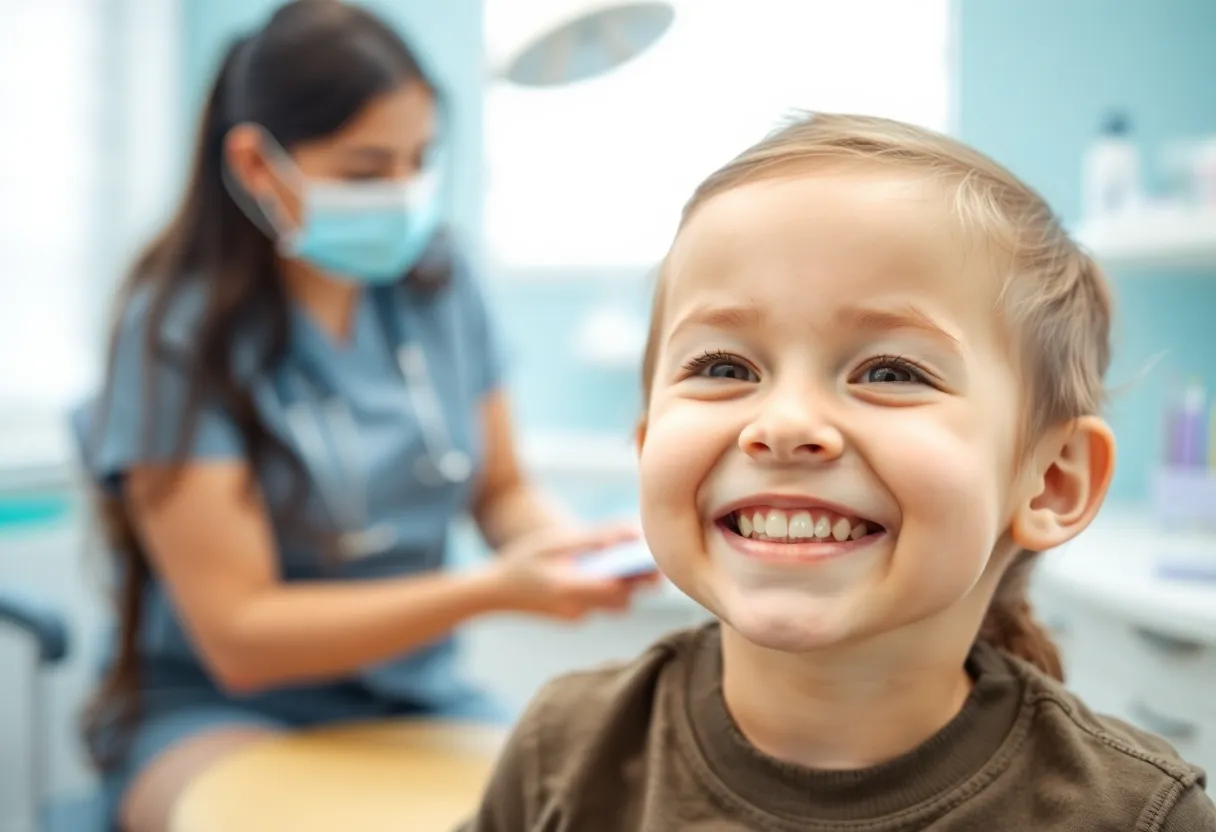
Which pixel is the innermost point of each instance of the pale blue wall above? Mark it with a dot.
(1034, 77)
(445, 33)
(552, 388)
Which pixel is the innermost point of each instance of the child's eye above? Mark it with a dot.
(891, 369)
(720, 365)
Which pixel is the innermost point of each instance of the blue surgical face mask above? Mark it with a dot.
(371, 232)
(367, 232)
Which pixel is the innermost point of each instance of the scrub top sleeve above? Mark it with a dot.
(484, 354)
(140, 417)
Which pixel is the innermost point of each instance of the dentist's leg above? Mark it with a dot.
(147, 805)
(169, 750)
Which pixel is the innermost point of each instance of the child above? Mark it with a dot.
(872, 386)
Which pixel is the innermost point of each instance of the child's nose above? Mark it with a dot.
(791, 432)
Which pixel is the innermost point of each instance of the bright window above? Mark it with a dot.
(88, 103)
(50, 85)
(596, 174)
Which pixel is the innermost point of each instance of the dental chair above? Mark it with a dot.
(46, 626)
(29, 618)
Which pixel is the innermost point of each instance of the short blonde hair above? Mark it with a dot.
(1056, 301)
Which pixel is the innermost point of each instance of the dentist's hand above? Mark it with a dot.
(540, 574)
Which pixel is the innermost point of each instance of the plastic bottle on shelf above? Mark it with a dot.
(1189, 429)
(1112, 170)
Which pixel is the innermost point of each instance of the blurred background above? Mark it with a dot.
(568, 196)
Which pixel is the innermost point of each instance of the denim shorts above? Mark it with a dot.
(173, 716)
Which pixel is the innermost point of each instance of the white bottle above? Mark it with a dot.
(1112, 171)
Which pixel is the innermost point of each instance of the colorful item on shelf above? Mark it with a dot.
(1184, 486)
(1187, 430)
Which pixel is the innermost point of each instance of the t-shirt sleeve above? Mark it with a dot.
(1194, 812)
(140, 415)
(477, 332)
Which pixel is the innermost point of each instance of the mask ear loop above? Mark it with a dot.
(271, 219)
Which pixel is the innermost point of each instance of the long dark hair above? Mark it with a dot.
(311, 68)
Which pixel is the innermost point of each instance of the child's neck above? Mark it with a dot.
(834, 712)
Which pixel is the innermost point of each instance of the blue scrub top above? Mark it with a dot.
(451, 326)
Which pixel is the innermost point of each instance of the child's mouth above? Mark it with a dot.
(776, 525)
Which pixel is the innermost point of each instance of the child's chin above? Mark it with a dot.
(790, 625)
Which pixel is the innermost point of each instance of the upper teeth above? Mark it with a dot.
(776, 524)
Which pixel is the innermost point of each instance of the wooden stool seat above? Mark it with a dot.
(379, 777)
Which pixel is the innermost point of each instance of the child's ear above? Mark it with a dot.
(1073, 465)
(639, 435)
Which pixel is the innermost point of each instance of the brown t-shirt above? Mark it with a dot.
(649, 745)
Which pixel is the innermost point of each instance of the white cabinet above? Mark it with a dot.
(1136, 646)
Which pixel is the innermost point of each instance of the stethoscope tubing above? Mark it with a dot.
(345, 495)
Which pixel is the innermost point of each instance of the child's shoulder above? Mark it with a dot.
(1063, 734)
(1055, 704)
(587, 738)
(593, 695)
(570, 719)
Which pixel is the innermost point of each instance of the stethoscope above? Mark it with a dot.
(345, 496)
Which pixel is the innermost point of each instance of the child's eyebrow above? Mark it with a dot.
(905, 317)
(717, 316)
(864, 318)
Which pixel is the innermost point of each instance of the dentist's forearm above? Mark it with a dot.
(312, 631)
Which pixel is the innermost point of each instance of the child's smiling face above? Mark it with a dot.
(833, 366)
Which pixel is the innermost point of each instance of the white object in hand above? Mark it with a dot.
(625, 561)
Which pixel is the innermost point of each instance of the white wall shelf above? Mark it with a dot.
(1115, 562)
(1162, 240)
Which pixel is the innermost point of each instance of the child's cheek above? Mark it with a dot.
(947, 484)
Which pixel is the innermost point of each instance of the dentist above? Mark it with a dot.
(302, 394)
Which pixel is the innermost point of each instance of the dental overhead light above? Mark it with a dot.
(549, 43)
